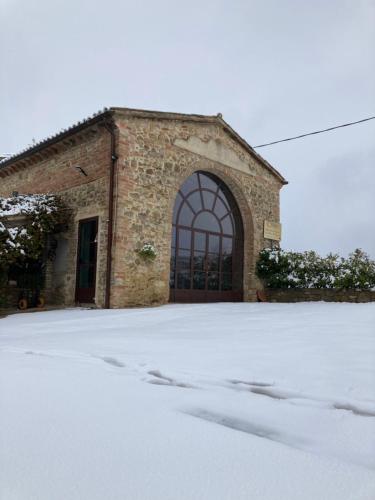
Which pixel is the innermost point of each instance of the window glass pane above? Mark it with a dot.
(183, 260)
(199, 281)
(227, 263)
(195, 201)
(171, 280)
(213, 243)
(220, 209)
(176, 206)
(87, 254)
(226, 245)
(227, 225)
(173, 243)
(86, 276)
(83, 277)
(224, 199)
(207, 182)
(184, 238)
(199, 241)
(173, 260)
(208, 199)
(186, 216)
(190, 184)
(208, 222)
(213, 281)
(226, 281)
(183, 280)
(85, 240)
(213, 261)
(198, 260)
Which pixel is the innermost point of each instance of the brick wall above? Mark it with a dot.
(53, 171)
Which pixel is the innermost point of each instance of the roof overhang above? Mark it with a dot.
(107, 115)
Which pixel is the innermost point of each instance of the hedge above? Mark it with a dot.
(284, 269)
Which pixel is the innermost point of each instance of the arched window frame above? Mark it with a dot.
(207, 185)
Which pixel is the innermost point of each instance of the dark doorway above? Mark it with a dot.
(86, 260)
(207, 243)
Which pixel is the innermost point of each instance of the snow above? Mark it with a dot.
(218, 401)
(27, 204)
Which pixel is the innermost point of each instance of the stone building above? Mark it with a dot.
(187, 184)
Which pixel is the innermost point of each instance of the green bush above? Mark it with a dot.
(357, 271)
(42, 215)
(274, 267)
(282, 269)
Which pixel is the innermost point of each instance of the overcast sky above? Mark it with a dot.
(274, 69)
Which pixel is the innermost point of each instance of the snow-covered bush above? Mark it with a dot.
(275, 268)
(25, 222)
(148, 251)
(282, 269)
(357, 271)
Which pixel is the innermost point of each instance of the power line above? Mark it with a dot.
(316, 132)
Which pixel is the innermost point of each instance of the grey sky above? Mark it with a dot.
(272, 68)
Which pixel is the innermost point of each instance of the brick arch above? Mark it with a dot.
(228, 177)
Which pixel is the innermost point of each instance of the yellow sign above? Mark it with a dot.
(272, 230)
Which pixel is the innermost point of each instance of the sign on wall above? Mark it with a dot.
(272, 230)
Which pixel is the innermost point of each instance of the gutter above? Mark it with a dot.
(110, 127)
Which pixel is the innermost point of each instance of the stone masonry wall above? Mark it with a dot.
(155, 155)
(54, 171)
(153, 163)
(319, 294)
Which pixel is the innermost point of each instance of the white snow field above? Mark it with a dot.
(217, 401)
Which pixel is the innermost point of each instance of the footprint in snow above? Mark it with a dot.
(35, 353)
(263, 389)
(241, 425)
(363, 412)
(257, 384)
(164, 380)
(112, 361)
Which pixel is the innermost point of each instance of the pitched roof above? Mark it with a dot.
(107, 114)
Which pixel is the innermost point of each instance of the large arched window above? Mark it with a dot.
(207, 242)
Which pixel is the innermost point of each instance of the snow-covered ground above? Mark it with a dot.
(219, 401)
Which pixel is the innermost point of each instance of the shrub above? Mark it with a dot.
(41, 215)
(357, 271)
(274, 267)
(282, 269)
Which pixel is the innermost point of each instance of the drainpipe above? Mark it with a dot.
(110, 127)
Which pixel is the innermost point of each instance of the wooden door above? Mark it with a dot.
(86, 260)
